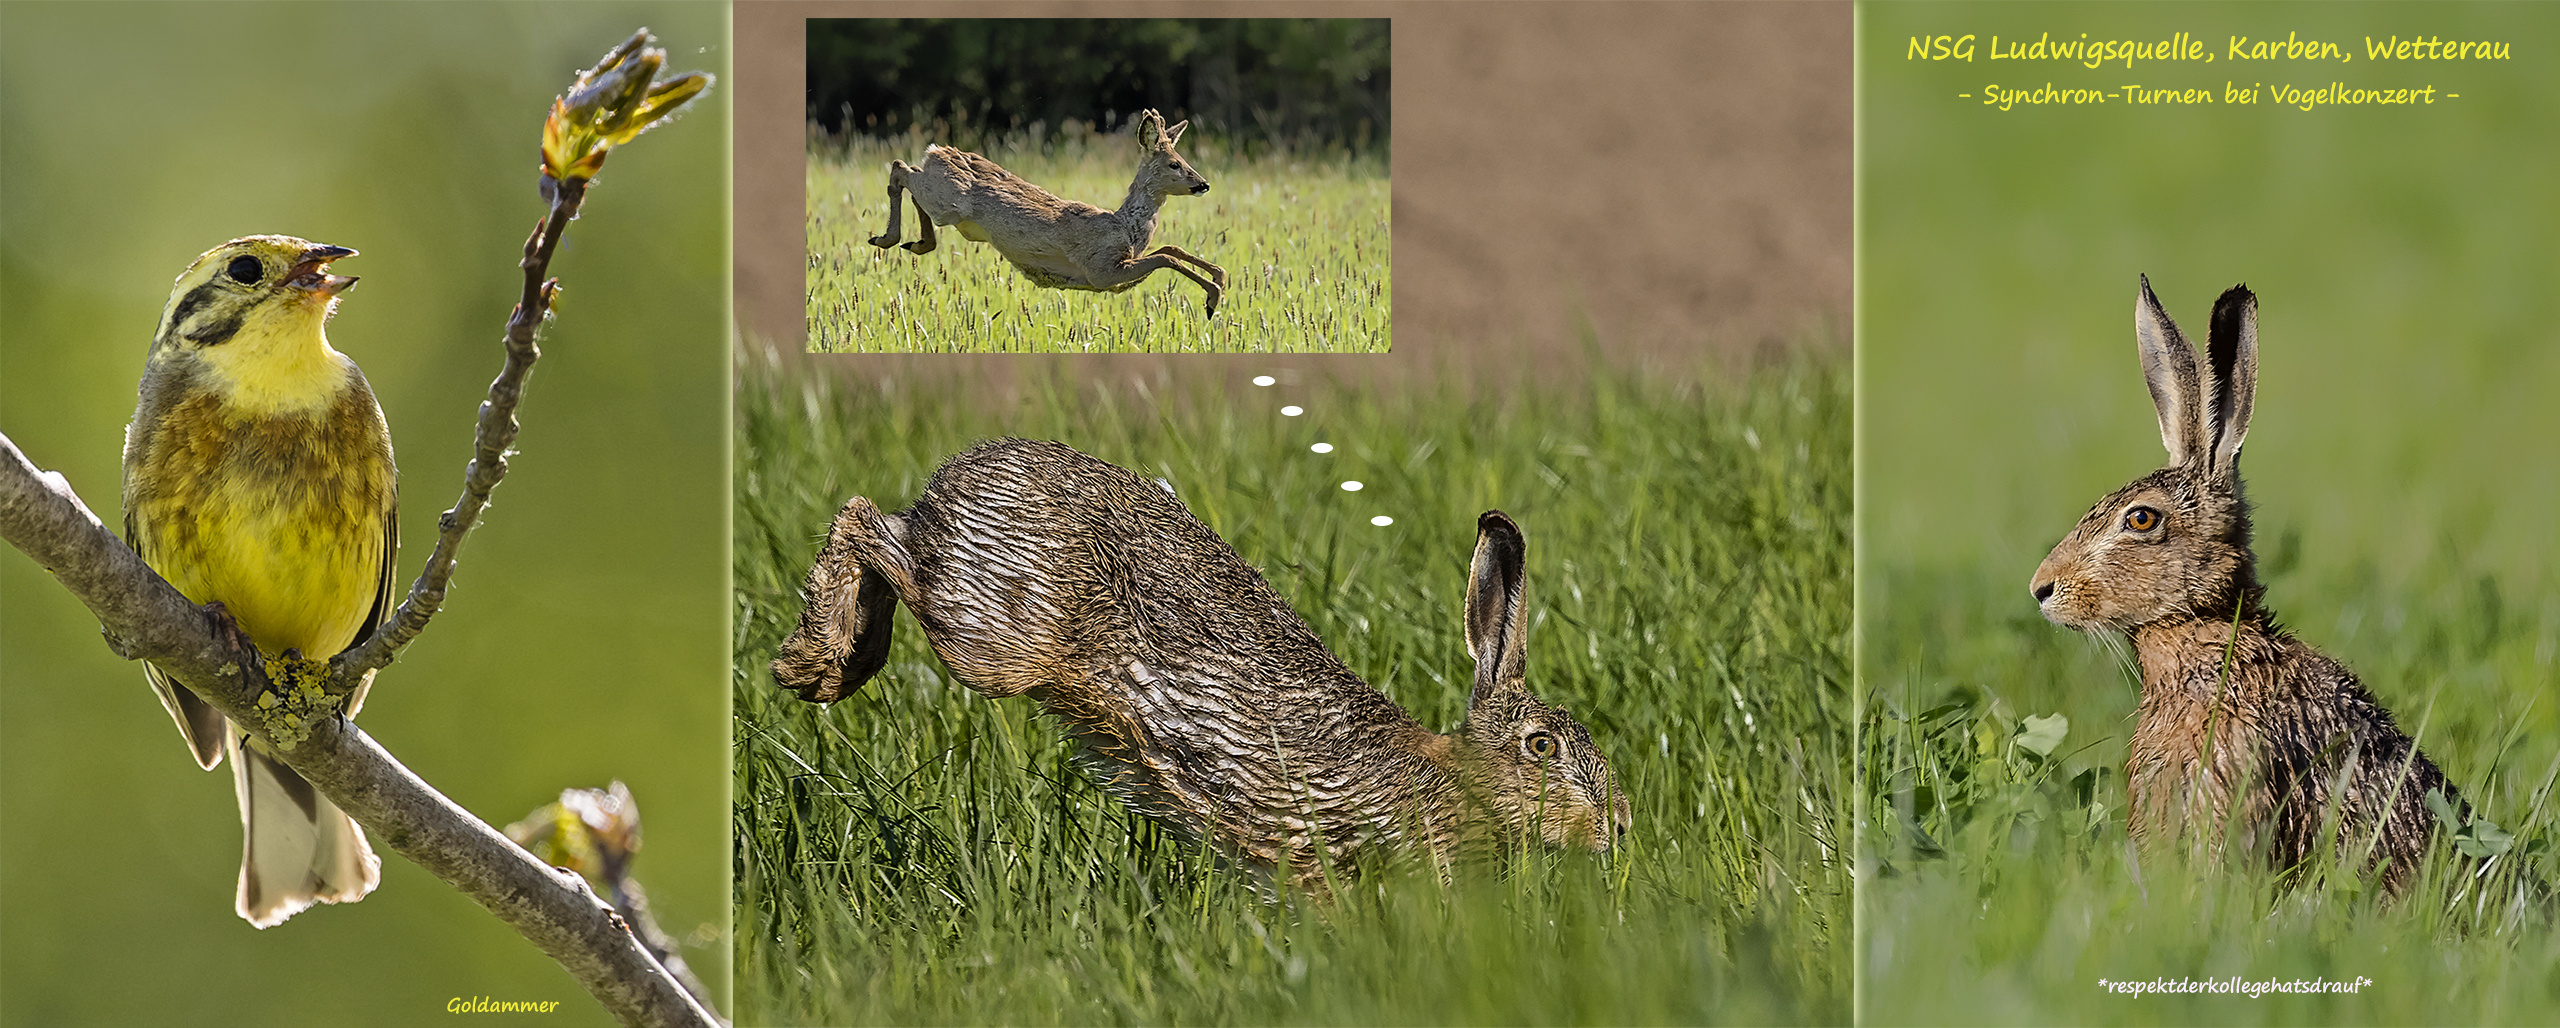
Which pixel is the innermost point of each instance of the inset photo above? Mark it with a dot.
(1005, 185)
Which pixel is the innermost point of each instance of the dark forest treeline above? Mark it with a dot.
(1286, 82)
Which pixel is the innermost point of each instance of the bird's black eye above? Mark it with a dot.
(2141, 519)
(246, 270)
(1541, 745)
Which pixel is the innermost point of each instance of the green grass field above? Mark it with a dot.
(1303, 239)
(920, 854)
(2400, 462)
(2000, 888)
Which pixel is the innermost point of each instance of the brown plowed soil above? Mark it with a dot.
(1673, 180)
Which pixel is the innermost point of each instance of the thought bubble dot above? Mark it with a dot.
(1382, 521)
(1263, 380)
(1322, 447)
(1352, 486)
(1291, 411)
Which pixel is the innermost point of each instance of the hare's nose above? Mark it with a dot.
(2043, 590)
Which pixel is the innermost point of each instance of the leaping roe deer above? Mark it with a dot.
(1058, 243)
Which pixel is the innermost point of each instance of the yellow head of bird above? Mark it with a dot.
(255, 286)
(245, 320)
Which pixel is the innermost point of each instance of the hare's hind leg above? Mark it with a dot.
(898, 172)
(843, 638)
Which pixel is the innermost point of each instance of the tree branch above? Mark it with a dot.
(596, 833)
(144, 618)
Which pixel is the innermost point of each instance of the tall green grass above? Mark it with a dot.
(2017, 840)
(1303, 239)
(921, 854)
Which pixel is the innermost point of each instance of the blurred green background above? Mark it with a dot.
(582, 641)
(2404, 461)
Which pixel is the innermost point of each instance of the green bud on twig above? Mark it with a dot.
(611, 104)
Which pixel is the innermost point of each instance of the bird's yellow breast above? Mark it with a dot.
(282, 517)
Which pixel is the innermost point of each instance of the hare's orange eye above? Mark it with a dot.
(1541, 745)
(2141, 519)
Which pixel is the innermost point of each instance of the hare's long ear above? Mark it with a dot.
(2177, 387)
(1496, 635)
(2232, 351)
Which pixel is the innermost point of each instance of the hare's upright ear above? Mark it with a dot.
(2169, 368)
(2232, 351)
(1151, 130)
(1496, 635)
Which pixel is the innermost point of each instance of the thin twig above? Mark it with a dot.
(495, 436)
(633, 903)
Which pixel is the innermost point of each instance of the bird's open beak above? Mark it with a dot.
(312, 273)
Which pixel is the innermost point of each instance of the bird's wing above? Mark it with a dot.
(198, 722)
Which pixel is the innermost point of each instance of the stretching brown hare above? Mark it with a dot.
(2244, 732)
(1193, 693)
(1058, 244)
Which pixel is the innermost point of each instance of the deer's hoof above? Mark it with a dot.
(884, 242)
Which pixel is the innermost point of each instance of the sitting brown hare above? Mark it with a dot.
(2244, 732)
(1192, 691)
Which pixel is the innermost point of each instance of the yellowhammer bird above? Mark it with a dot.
(257, 473)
